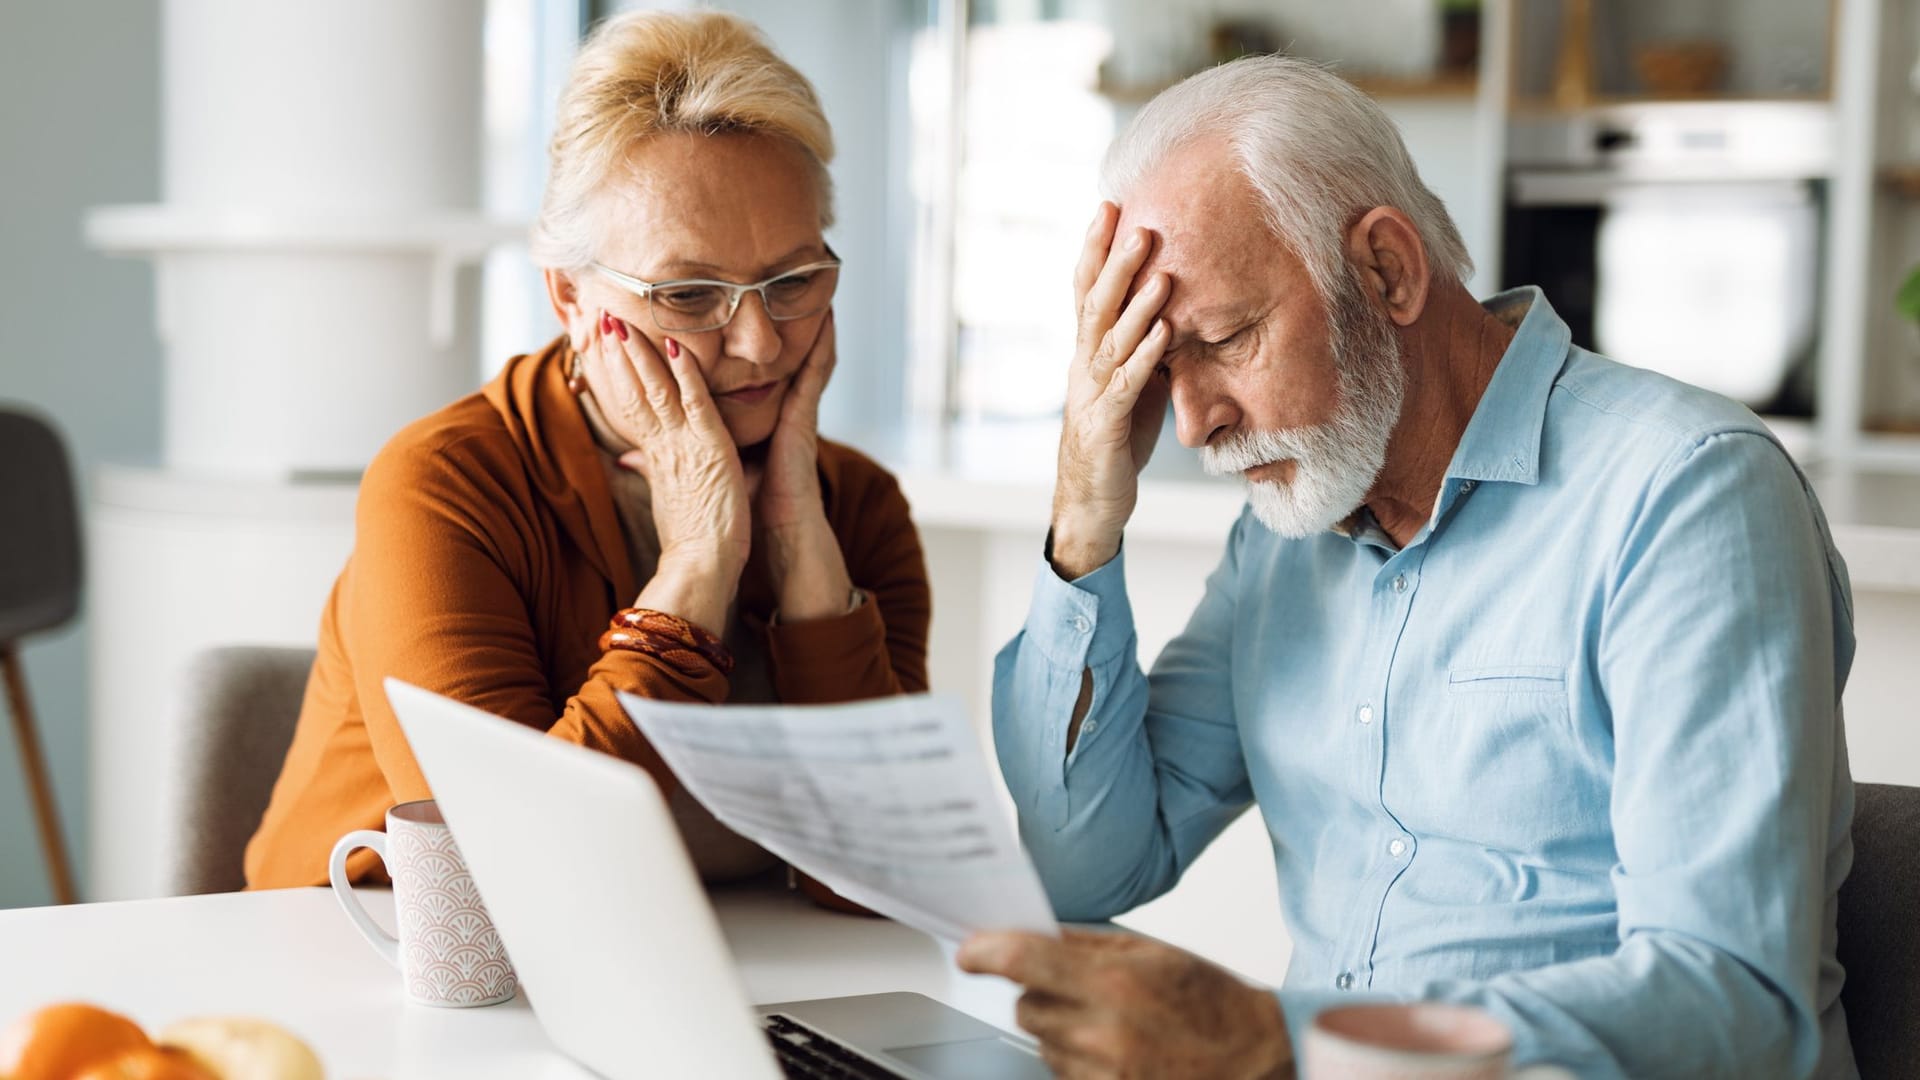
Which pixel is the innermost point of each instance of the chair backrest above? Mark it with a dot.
(1880, 931)
(240, 706)
(39, 528)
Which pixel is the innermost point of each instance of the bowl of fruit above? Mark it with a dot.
(78, 1041)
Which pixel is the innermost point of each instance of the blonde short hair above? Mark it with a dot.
(646, 73)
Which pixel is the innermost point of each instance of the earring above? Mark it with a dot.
(576, 379)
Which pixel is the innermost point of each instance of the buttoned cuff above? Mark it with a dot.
(1085, 622)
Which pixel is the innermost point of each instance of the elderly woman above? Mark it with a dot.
(644, 505)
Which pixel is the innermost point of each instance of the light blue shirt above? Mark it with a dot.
(1573, 755)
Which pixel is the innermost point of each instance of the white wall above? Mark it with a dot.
(79, 126)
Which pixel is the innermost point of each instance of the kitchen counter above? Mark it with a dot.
(1000, 480)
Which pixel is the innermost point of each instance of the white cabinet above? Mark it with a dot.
(181, 563)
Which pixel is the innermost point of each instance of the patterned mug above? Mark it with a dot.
(448, 952)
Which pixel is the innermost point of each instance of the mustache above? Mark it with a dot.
(1233, 454)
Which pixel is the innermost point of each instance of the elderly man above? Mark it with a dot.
(1531, 662)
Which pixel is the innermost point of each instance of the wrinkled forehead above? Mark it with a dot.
(728, 205)
(1210, 232)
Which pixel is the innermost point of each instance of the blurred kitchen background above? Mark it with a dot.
(246, 241)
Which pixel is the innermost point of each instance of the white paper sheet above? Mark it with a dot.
(890, 803)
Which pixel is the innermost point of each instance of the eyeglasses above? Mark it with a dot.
(696, 305)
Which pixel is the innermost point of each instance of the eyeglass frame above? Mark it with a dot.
(735, 292)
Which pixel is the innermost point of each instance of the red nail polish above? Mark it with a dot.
(673, 349)
(606, 323)
(619, 328)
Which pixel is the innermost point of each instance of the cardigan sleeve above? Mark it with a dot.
(880, 647)
(434, 597)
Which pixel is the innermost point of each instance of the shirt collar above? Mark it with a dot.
(1502, 441)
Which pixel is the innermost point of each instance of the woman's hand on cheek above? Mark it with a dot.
(661, 405)
(803, 556)
(789, 492)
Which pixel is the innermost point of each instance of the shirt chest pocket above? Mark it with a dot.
(1524, 679)
(1504, 702)
(1510, 741)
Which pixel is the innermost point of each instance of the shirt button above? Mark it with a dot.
(1366, 714)
(1081, 624)
(1397, 848)
(1344, 982)
(1400, 583)
(1087, 728)
(1466, 486)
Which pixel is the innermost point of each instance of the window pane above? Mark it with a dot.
(1034, 128)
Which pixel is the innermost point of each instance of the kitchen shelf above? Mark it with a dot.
(1441, 86)
(148, 229)
(1445, 85)
(1540, 106)
(1902, 179)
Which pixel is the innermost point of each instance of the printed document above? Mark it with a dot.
(890, 803)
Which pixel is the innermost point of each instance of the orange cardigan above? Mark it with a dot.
(488, 557)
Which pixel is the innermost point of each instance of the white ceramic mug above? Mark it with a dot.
(448, 952)
(1414, 1041)
(1417, 1041)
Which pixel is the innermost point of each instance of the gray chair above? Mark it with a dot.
(241, 703)
(1880, 932)
(39, 590)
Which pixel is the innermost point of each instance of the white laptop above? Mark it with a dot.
(610, 931)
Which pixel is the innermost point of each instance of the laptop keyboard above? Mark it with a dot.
(804, 1052)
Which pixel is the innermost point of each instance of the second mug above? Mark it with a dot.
(448, 952)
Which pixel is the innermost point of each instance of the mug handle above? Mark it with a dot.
(383, 943)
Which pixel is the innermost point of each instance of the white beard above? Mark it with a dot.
(1335, 463)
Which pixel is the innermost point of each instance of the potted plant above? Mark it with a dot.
(1907, 300)
(1459, 35)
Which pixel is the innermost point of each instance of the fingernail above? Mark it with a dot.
(619, 328)
(1159, 327)
(673, 349)
(1134, 241)
(606, 323)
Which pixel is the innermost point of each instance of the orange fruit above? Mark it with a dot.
(148, 1063)
(59, 1041)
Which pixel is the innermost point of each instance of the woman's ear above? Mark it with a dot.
(564, 294)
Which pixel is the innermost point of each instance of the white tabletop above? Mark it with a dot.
(291, 957)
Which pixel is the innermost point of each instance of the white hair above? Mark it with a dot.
(1319, 152)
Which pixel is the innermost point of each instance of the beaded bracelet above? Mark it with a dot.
(667, 637)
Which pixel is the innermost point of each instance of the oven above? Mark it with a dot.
(1686, 238)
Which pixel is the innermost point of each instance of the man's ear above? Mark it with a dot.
(1385, 248)
(564, 294)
